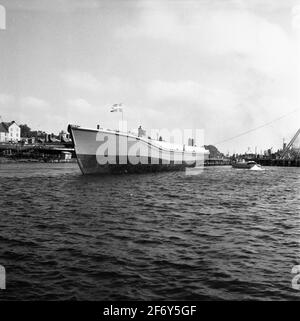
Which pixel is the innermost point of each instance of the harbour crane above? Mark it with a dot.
(286, 150)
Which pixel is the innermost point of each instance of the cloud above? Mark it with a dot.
(81, 80)
(210, 31)
(33, 102)
(6, 99)
(79, 104)
(53, 6)
(233, 63)
(29, 110)
(226, 66)
(190, 92)
(85, 81)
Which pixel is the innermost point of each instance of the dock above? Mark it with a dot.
(277, 162)
(39, 152)
(217, 162)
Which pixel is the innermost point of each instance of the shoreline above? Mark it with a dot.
(5, 160)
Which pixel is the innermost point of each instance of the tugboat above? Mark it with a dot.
(245, 165)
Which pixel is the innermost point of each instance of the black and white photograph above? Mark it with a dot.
(149, 151)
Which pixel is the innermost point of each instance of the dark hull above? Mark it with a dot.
(243, 165)
(89, 165)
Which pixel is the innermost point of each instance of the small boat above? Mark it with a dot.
(245, 165)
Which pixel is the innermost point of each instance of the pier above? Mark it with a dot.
(278, 162)
(217, 162)
(37, 152)
(288, 156)
(59, 152)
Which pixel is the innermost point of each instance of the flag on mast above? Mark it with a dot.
(116, 108)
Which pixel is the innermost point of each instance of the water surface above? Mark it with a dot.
(225, 234)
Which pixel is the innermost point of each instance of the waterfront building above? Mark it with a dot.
(9, 132)
(64, 137)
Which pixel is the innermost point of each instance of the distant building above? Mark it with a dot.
(190, 142)
(38, 134)
(141, 132)
(64, 137)
(67, 156)
(9, 132)
(28, 140)
(31, 140)
(51, 138)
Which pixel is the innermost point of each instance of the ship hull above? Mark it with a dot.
(111, 152)
(89, 165)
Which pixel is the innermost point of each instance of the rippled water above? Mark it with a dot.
(225, 234)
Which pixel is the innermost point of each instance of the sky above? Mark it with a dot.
(224, 66)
